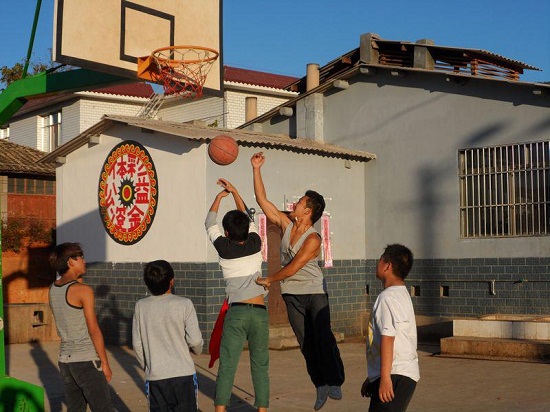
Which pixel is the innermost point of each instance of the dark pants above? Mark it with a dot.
(309, 316)
(173, 394)
(85, 384)
(403, 390)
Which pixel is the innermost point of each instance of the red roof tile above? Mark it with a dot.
(131, 89)
(234, 74)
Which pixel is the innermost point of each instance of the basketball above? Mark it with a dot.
(223, 150)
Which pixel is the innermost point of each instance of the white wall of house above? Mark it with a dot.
(267, 99)
(76, 116)
(177, 109)
(415, 125)
(287, 175)
(187, 186)
(93, 109)
(27, 132)
(180, 166)
(70, 121)
(228, 112)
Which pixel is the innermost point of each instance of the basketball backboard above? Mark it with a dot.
(109, 35)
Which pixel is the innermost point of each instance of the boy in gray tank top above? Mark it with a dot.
(302, 287)
(82, 359)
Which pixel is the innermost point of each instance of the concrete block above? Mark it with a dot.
(507, 330)
(492, 348)
(543, 330)
(530, 329)
(518, 330)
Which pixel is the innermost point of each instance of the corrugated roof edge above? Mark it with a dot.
(203, 133)
(328, 84)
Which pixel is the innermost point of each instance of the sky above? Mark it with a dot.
(283, 36)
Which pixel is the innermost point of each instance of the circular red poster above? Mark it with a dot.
(128, 192)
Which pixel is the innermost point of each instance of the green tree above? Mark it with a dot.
(11, 74)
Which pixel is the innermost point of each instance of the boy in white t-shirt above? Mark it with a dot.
(392, 361)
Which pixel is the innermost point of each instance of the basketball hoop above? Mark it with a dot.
(181, 70)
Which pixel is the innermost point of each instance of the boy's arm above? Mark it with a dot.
(210, 223)
(85, 295)
(386, 359)
(309, 250)
(136, 339)
(193, 335)
(269, 209)
(239, 202)
(217, 200)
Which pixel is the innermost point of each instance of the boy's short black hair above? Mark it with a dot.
(316, 203)
(60, 255)
(236, 224)
(400, 257)
(157, 276)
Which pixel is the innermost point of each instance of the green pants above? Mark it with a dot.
(244, 323)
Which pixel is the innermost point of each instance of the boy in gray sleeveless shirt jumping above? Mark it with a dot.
(302, 287)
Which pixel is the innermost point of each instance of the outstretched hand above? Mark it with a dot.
(257, 160)
(226, 184)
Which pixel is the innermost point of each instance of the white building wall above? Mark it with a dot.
(416, 132)
(76, 116)
(26, 132)
(70, 122)
(186, 188)
(236, 104)
(208, 109)
(177, 232)
(92, 110)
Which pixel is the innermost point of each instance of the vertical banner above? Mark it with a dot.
(327, 250)
(262, 231)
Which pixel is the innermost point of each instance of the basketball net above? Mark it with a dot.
(182, 70)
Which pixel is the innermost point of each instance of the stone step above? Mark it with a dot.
(496, 348)
(282, 337)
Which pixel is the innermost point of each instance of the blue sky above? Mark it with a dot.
(283, 36)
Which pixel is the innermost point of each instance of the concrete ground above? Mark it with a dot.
(446, 384)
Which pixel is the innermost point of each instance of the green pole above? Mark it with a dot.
(31, 41)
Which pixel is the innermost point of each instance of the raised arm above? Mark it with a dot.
(269, 209)
(217, 200)
(239, 202)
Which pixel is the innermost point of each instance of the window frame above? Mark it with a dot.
(504, 190)
(51, 130)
